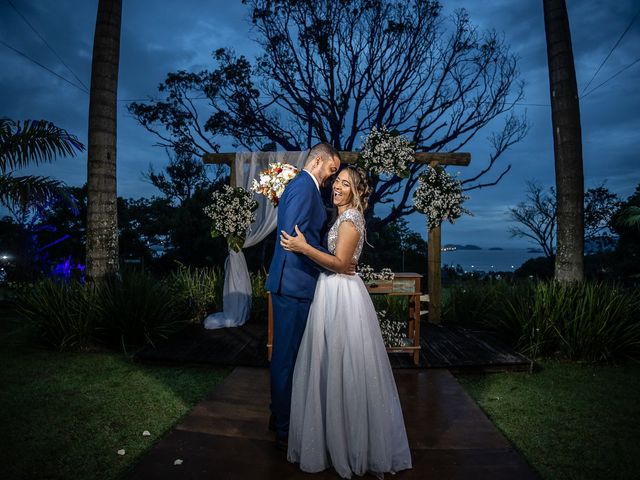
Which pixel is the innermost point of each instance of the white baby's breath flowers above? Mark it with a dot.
(391, 330)
(368, 274)
(439, 196)
(232, 211)
(386, 153)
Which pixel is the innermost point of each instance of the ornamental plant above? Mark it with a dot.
(386, 153)
(439, 196)
(368, 274)
(391, 330)
(232, 211)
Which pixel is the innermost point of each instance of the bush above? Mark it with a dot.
(64, 314)
(197, 292)
(258, 297)
(136, 309)
(127, 311)
(587, 321)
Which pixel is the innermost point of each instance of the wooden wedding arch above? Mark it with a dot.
(434, 280)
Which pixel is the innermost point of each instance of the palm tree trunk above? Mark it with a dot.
(102, 227)
(567, 143)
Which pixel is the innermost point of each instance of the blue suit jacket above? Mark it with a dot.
(293, 274)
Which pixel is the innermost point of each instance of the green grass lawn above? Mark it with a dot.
(66, 415)
(571, 421)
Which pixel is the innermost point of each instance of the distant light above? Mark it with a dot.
(512, 266)
(472, 266)
(5, 257)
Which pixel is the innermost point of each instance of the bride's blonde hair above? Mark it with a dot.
(359, 187)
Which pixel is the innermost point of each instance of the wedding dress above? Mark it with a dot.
(345, 409)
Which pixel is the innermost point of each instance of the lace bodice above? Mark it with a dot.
(354, 216)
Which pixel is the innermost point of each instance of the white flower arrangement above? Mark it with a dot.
(369, 275)
(439, 196)
(271, 181)
(232, 211)
(391, 330)
(387, 153)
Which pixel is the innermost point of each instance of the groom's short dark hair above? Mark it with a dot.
(322, 149)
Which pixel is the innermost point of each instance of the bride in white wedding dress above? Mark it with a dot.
(345, 409)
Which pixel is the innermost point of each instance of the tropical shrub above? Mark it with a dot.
(136, 309)
(64, 314)
(258, 297)
(197, 291)
(588, 321)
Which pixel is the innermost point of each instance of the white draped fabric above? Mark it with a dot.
(236, 295)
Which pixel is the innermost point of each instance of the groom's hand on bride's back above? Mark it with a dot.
(351, 269)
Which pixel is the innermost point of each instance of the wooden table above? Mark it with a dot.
(403, 284)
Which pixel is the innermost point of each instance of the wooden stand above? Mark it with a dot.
(403, 284)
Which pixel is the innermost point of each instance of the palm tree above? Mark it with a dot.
(567, 143)
(630, 217)
(32, 142)
(102, 227)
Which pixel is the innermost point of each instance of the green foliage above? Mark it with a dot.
(64, 314)
(625, 224)
(197, 291)
(588, 321)
(258, 296)
(130, 311)
(119, 312)
(31, 143)
(397, 307)
(136, 309)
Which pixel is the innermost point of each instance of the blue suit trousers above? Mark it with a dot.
(289, 321)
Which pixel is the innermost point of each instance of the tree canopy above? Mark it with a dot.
(332, 69)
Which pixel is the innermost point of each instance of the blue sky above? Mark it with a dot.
(158, 38)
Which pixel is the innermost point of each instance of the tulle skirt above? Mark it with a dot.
(345, 409)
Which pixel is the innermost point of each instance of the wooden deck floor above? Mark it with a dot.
(226, 436)
(443, 346)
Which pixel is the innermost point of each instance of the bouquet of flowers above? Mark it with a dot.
(387, 153)
(439, 196)
(232, 211)
(391, 330)
(272, 181)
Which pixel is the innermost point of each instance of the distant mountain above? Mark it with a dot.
(534, 250)
(496, 248)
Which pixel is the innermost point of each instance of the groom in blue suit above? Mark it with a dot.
(292, 277)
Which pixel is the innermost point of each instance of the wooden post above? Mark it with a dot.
(434, 283)
(232, 174)
(226, 158)
(434, 280)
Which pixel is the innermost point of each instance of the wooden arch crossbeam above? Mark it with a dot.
(434, 280)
